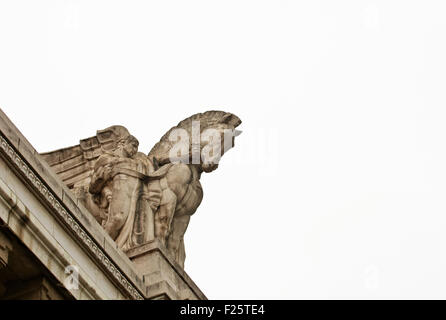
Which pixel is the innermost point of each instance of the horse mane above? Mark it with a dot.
(208, 119)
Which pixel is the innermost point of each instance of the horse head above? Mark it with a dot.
(201, 140)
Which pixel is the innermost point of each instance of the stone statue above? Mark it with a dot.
(119, 188)
(137, 197)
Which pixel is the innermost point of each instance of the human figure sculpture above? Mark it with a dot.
(119, 185)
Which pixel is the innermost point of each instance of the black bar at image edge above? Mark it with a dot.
(226, 309)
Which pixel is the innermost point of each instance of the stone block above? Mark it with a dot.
(163, 277)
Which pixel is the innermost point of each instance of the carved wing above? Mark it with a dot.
(75, 165)
(160, 152)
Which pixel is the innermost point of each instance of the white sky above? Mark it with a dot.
(336, 188)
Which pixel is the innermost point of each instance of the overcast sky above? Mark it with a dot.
(335, 189)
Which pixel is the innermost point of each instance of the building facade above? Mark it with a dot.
(51, 247)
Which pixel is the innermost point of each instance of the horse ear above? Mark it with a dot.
(231, 120)
(226, 118)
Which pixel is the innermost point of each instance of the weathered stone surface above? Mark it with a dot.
(42, 213)
(165, 279)
(35, 289)
(137, 198)
(5, 248)
(117, 215)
